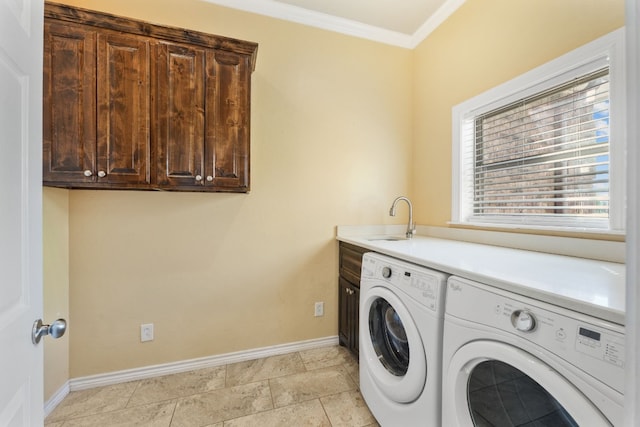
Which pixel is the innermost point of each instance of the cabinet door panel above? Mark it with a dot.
(344, 325)
(123, 142)
(180, 115)
(228, 146)
(69, 122)
(355, 321)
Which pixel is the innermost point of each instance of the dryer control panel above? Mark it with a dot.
(600, 344)
(593, 345)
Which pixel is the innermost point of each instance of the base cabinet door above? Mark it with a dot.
(349, 300)
(354, 317)
(349, 296)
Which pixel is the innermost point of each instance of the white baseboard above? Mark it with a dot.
(92, 381)
(100, 380)
(55, 400)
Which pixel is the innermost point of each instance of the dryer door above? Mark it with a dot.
(390, 346)
(494, 384)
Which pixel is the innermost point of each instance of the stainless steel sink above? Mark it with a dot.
(386, 238)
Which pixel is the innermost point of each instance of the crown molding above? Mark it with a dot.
(287, 12)
(434, 21)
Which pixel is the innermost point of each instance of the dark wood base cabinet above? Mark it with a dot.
(349, 297)
(132, 105)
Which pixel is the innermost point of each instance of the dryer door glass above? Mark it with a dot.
(389, 337)
(501, 395)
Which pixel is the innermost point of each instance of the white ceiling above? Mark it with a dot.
(402, 23)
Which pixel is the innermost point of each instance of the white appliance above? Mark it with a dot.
(510, 360)
(401, 320)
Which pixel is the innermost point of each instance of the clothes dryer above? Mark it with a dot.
(401, 321)
(510, 360)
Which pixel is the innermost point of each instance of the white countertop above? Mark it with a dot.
(595, 288)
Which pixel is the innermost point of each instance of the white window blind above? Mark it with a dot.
(545, 156)
(545, 150)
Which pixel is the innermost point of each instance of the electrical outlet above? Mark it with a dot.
(146, 332)
(319, 309)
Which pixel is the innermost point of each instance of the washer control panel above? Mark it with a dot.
(420, 283)
(592, 345)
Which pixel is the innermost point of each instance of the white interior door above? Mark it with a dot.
(21, 394)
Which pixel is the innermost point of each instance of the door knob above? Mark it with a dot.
(56, 330)
(102, 174)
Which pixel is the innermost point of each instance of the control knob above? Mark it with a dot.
(523, 320)
(386, 272)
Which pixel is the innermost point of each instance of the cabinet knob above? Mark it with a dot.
(102, 174)
(198, 178)
(209, 178)
(88, 173)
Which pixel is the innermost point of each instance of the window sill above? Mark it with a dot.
(575, 243)
(600, 234)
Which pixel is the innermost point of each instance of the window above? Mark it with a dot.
(546, 150)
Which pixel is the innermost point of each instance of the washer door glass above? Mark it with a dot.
(501, 395)
(389, 337)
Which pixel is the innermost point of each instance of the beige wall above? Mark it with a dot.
(217, 273)
(483, 44)
(340, 126)
(55, 203)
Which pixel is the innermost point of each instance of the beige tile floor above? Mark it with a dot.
(316, 387)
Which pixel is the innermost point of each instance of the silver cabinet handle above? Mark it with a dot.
(88, 173)
(102, 174)
(56, 330)
(209, 178)
(198, 178)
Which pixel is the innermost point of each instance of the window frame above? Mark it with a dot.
(606, 50)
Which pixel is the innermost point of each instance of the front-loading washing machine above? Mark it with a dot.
(510, 360)
(401, 321)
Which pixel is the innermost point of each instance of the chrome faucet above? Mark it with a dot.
(411, 227)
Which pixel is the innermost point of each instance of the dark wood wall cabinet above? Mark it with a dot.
(349, 297)
(133, 105)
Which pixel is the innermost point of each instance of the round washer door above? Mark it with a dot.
(391, 346)
(490, 383)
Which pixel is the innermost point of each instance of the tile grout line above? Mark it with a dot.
(126, 405)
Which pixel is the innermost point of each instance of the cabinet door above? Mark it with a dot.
(344, 319)
(69, 104)
(355, 321)
(348, 317)
(180, 120)
(228, 122)
(123, 141)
